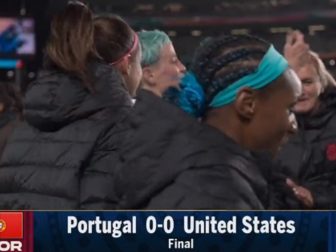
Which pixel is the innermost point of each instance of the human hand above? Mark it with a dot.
(301, 193)
(295, 49)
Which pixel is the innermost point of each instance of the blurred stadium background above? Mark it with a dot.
(189, 21)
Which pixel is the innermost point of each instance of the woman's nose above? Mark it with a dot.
(182, 68)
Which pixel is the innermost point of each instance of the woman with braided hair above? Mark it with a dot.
(246, 91)
(237, 75)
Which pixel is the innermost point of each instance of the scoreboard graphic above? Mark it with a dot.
(16, 231)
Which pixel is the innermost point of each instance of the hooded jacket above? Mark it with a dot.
(63, 155)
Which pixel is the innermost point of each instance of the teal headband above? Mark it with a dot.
(271, 67)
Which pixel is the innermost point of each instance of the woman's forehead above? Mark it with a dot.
(168, 50)
(307, 69)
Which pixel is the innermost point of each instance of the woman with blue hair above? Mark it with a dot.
(161, 67)
(245, 93)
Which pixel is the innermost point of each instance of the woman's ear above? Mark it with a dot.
(245, 103)
(148, 76)
(124, 66)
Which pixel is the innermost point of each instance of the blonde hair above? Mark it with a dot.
(327, 80)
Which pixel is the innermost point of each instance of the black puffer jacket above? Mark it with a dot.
(63, 156)
(309, 158)
(8, 121)
(173, 162)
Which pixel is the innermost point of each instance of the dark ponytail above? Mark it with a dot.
(114, 38)
(71, 42)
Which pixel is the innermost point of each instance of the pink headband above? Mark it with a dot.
(128, 53)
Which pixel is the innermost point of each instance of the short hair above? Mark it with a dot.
(151, 44)
(327, 80)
